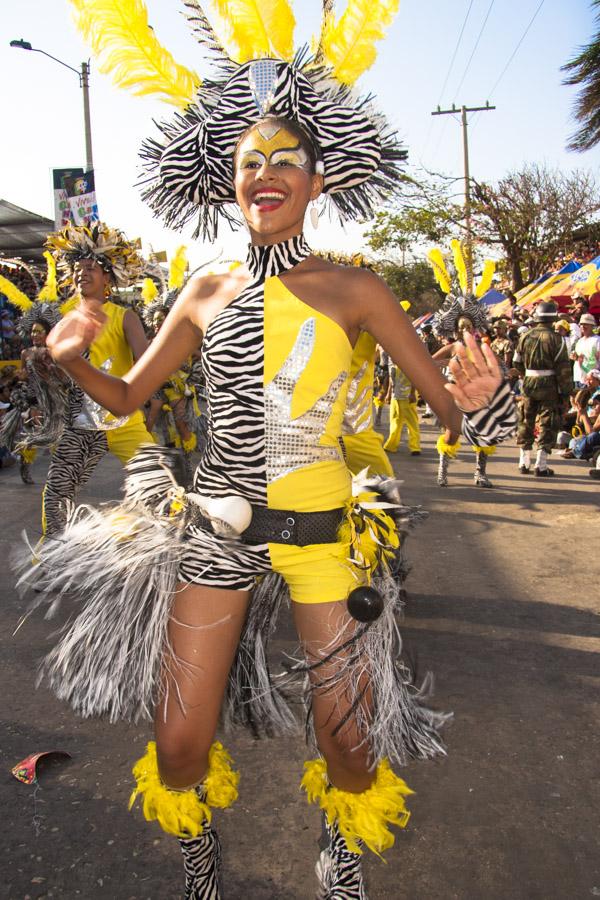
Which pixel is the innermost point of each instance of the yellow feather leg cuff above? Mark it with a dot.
(28, 454)
(190, 444)
(360, 817)
(449, 449)
(183, 813)
(487, 451)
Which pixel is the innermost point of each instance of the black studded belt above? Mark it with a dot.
(284, 526)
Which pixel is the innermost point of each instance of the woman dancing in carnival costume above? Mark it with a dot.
(272, 491)
(94, 260)
(460, 314)
(23, 428)
(174, 410)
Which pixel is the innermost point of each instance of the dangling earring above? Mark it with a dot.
(314, 215)
(107, 291)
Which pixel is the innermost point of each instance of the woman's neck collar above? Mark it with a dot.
(267, 260)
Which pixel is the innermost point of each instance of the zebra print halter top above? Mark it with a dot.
(233, 362)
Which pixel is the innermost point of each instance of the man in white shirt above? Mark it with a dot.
(587, 350)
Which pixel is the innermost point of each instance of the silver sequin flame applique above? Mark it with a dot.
(358, 416)
(94, 417)
(291, 444)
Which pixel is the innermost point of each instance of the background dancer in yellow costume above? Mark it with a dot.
(272, 491)
(95, 260)
(461, 314)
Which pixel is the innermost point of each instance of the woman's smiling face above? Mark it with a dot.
(274, 182)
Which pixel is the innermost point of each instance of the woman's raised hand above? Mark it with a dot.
(74, 334)
(476, 374)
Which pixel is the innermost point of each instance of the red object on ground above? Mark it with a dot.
(25, 771)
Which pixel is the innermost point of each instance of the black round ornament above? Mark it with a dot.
(365, 604)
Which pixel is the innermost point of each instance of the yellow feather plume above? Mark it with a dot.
(440, 271)
(348, 45)
(127, 48)
(177, 268)
(485, 281)
(14, 295)
(49, 292)
(149, 290)
(461, 266)
(255, 28)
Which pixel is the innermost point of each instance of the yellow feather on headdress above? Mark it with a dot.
(489, 267)
(126, 47)
(256, 28)
(14, 295)
(440, 271)
(49, 292)
(177, 268)
(348, 45)
(460, 264)
(149, 290)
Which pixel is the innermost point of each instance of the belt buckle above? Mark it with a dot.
(289, 529)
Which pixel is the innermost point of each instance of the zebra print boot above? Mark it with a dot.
(442, 475)
(202, 864)
(338, 870)
(480, 475)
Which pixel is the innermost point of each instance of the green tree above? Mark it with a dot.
(532, 214)
(584, 72)
(414, 282)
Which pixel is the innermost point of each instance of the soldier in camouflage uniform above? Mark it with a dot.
(542, 360)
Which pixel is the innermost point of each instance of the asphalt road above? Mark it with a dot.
(503, 608)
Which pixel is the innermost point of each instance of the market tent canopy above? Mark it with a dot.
(22, 233)
(586, 281)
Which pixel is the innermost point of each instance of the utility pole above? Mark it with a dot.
(84, 81)
(463, 110)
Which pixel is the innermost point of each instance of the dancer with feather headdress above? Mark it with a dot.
(262, 141)
(461, 313)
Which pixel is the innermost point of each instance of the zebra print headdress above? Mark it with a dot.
(189, 169)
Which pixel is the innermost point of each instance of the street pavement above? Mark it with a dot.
(503, 607)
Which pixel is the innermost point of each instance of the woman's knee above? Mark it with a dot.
(181, 752)
(345, 748)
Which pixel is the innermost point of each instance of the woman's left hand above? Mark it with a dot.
(476, 372)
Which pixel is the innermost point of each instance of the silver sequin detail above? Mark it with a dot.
(291, 444)
(92, 416)
(262, 76)
(358, 416)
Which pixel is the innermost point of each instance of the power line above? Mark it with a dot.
(511, 57)
(462, 31)
(481, 30)
(514, 53)
(448, 71)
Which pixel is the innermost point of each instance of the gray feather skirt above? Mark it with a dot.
(116, 569)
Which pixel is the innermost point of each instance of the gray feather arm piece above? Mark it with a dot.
(51, 387)
(12, 426)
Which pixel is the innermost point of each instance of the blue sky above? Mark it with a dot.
(43, 119)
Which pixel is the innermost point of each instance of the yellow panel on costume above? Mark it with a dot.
(307, 361)
(111, 344)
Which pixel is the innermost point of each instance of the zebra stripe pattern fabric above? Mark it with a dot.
(75, 458)
(202, 864)
(234, 460)
(338, 871)
(494, 423)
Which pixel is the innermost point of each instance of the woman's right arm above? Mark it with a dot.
(177, 338)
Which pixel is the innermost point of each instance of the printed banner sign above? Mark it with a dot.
(81, 192)
(62, 210)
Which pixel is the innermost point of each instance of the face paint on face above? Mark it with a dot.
(38, 334)
(271, 145)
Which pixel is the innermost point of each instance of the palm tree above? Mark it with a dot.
(585, 72)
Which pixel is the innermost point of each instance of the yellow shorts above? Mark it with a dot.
(319, 573)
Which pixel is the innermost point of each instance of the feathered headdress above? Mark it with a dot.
(456, 281)
(189, 168)
(155, 300)
(107, 246)
(45, 306)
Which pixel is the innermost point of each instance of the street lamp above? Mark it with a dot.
(84, 83)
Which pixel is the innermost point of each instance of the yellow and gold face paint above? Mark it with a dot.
(271, 145)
